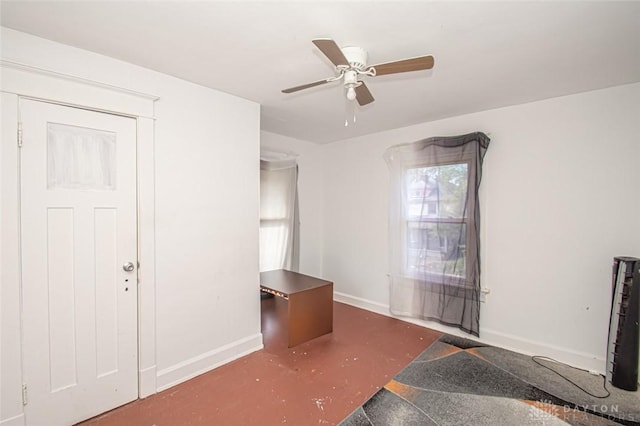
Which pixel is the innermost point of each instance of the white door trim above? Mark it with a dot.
(37, 82)
(39, 70)
(75, 91)
(146, 255)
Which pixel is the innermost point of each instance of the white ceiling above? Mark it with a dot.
(487, 54)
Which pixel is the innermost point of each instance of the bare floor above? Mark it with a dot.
(318, 382)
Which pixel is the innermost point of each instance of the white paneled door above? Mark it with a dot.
(79, 262)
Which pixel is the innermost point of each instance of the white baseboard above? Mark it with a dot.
(530, 347)
(489, 337)
(200, 364)
(358, 302)
(13, 421)
(147, 382)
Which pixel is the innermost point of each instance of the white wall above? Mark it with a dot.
(310, 172)
(559, 199)
(207, 195)
(206, 218)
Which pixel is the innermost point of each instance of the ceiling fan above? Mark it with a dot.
(351, 62)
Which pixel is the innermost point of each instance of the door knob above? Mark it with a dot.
(129, 266)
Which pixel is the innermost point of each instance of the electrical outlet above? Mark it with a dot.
(484, 291)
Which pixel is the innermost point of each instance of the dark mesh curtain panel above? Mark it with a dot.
(434, 229)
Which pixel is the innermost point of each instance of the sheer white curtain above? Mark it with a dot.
(279, 224)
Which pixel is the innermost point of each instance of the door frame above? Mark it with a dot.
(29, 82)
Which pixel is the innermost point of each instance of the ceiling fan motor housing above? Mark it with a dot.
(356, 56)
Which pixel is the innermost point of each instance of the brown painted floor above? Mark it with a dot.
(318, 382)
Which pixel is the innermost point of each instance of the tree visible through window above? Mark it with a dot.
(436, 222)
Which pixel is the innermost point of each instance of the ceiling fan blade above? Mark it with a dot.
(305, 86)
(331, 50)
(405, 65)
(363, 95)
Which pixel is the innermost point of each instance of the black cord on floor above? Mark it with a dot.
(604, 379)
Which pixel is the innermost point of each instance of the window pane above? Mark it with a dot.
(436, 248)
(436, 191)
(80, 158)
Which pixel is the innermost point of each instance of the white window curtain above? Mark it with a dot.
(279, 223)
(434, 229)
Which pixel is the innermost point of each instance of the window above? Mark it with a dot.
(436, 220)
(80, 158)
(278, 215)
(434, 229)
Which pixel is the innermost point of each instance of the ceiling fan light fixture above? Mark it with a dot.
(351, 93)
(350, 78)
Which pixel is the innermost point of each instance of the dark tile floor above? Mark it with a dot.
(457, 381)
(318, 382)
